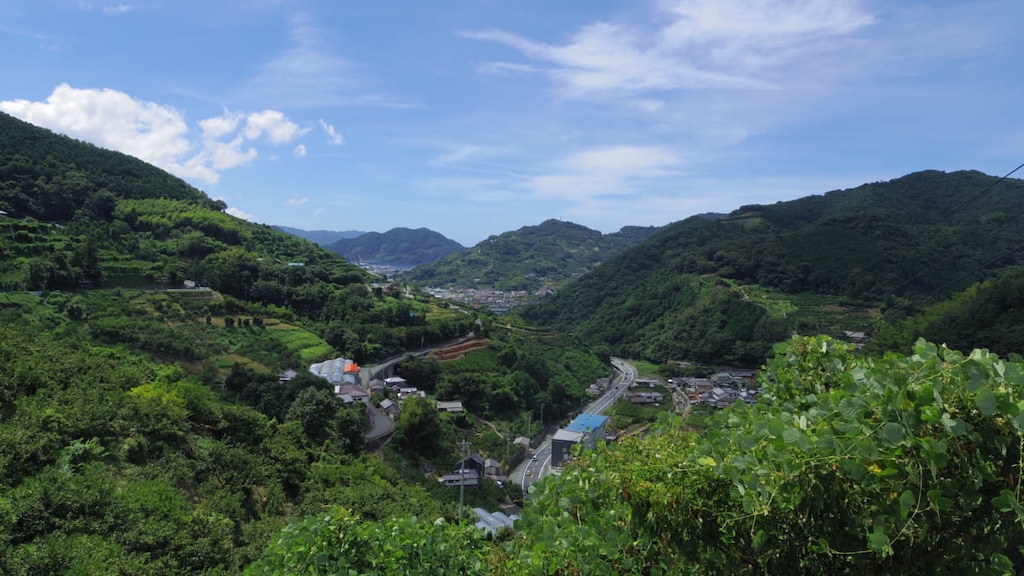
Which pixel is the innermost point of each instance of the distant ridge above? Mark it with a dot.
(321, 237)
(396, 247)
(531, 257)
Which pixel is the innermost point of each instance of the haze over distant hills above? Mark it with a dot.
(321, 237)
(396, 247)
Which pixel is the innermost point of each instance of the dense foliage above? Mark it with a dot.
(396, 247)
(986, 315)
(532, 257)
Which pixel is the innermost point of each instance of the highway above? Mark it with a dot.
(535, 468)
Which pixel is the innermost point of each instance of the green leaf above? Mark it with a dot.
(1007, 501)
(893, 433)
(907, 503)
(977, 379)
(759, 540)
(878, 542)
(939, 501)
(792, 436)
(706, 461)
(986, 402)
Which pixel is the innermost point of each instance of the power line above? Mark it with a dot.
(915, 236)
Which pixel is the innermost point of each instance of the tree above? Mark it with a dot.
(418, 428)
(316, 409)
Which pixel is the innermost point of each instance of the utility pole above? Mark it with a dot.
(463, 445)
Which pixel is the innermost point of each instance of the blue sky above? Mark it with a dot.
(475, 117)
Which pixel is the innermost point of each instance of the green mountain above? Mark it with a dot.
(529, 258)
(321, 237)
(726, 289)
(396, 247)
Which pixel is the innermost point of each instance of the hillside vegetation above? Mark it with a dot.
(724, 290)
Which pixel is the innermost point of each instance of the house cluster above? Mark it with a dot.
(471, 469)
(643, 391)
(722, 389)
(585, 430)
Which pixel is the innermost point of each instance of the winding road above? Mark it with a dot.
(532, 470)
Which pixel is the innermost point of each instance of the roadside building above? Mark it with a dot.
(562, 443)
(593, 426)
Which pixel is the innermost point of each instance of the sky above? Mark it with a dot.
(477, 117)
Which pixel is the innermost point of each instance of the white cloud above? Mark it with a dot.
(118, 9)
(155, 133)
(616, 170)
(274, 125)
(333, 137)
(298, 201)
(240, 214)
(299, 151)
(108, 9)
(690, 45)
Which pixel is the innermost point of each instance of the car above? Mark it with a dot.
(534, 459)
(529, 472)
(500, 484)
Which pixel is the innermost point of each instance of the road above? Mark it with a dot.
(532, 470)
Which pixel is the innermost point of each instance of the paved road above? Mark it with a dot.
(380, 424)
(532, 470)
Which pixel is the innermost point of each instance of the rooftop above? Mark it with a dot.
(587, 422)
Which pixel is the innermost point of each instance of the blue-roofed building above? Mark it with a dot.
(592, 425)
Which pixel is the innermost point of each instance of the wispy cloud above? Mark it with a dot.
(689, 45)
(309, 75)
(298, 201)
(155, 133)
(118, 9)
(106, 8)
(617, 170)
(333, 137)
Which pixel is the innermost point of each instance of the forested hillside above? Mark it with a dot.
(396, 247)
(532, 257)
(724, 290)
(987, 315)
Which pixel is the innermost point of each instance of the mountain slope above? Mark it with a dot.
(913, 236)
(51, 177)
(396, 247)
(530, 257)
